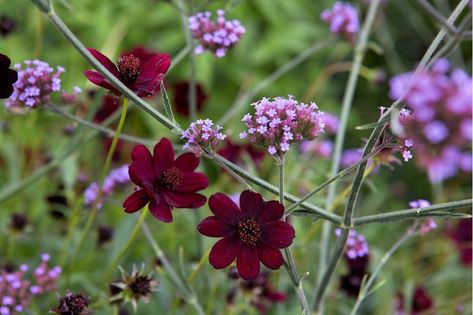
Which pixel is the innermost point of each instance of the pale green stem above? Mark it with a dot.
(364, 292)
(185, 288)
(98, 200)
(126, 247)
(337, 153)
(289, 259)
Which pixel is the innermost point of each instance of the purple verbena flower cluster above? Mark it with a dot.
(17, 291)
(356, 244)
(405, 144)
(441, 121)
(202, 136)
(117, 176)
(216, 37)
(322, 148)
(36, 81)
(343, 20)
(278, 122)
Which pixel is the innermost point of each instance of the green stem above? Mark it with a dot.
(98, 200)
(337, 153)
(364, 292)
(289, 259)
(185, 288)
(98, 127)
(242, 101)
(126, 247)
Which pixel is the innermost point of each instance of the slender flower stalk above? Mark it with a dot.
(346, 106)
(108, 161)
(289, 260)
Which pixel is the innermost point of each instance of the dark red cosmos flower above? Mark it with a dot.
(181, 97)
(7, 77)
(350, 283)
(235, 152)
(164, 182)
(461, 235)
(251, 233)
(140, 71)
(260, 291)
(110, 104)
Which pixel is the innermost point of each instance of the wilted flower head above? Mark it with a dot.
(7, 77)
(202, 137)
(278, 122)
(343, 20)
(356, 244)
(36, 81)
(251, 232)
(133, 287)
(141, 71)
(215, 37)
(258, 290)
(165, 182)
(72, 304)
(440, 123)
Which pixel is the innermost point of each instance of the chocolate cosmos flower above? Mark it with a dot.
(251, 233)
(139, 71)
(7, 77)
(164, 182)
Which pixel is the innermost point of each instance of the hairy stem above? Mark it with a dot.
(346, 106)
(289, 260)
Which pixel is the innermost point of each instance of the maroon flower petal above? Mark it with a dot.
(275, 296)
(193, 182)
(97, 79)
(184, 200)
(224, 208)
(161, 211)
(251, 203)
(152, 71)
(187, 162)
(107, 63)
(142, 167)
(163, 155)
(248, 262)
(135, 201)
(273, 211)
(270, 257)
(214, 227)
(224, 252)
(277, 234)
(5, 62)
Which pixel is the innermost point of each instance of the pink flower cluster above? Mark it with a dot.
(343, 20)
(356, 244)
(216, 37)
(16, 291)
(440, 125)
(278, 122)
(202, 137)
(36, 81)
(117, 176)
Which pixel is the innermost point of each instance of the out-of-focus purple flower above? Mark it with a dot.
(117, 176)
(7, 25)
(350, 157)
(342, 20)
(36, 81)
(278, 122)
(202, 137)
(215, 37)
(420, 203)
(322, 149)
(356, 244)
(440, 123)
(428, 224)
(331, 123)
